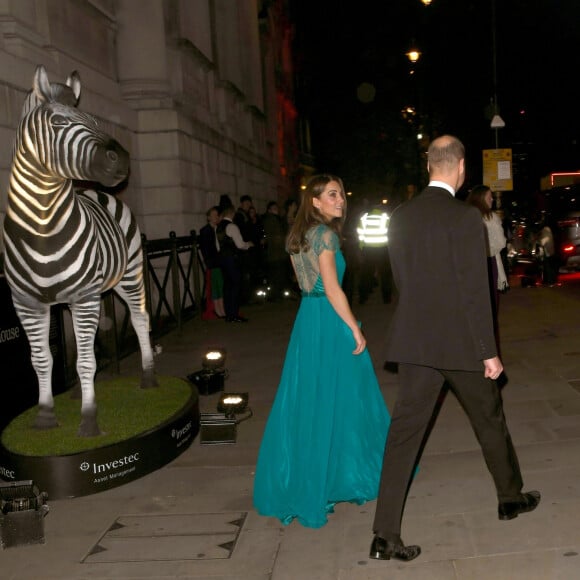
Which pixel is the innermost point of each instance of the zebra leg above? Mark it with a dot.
(135, 300)
(36, 323)
(85, 317)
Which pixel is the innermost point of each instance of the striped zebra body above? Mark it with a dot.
(89, 253)
(63, 246)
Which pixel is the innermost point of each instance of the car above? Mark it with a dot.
(561, 208)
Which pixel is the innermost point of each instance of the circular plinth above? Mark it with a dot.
(101, 468)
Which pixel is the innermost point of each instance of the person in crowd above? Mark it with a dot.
(326, 430)
(256, 229)
(481, 197)
(247, 259)
(224, 201)
(214, 282)
(256, 252)
(231, 245)
(242, 215)
(442, 331)
(375, 266)
(275, 255)
(550, 265)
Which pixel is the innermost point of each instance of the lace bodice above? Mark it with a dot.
(307, 265)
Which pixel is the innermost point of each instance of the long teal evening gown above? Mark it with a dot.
(325, 436)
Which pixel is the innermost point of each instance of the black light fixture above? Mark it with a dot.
(214, 359)
(233, 403)
(210, 378)
(22, 511)
(221, 427)
(217, 429)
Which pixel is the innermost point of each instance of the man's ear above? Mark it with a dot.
(462, 165)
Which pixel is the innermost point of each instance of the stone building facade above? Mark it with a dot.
(199, 91)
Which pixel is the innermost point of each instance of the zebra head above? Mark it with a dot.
(67, 94)
(62, 142)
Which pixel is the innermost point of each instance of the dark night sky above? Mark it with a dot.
(343, 44)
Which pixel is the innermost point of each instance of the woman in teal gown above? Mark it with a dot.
(325, 436)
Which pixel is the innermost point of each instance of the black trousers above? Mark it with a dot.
(419, 390)
(550, 270)
(232, 274)
(375, 264)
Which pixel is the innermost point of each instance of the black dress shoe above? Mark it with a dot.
(236, 319)
(382, 549)
(508, 510)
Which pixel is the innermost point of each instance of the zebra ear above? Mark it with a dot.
(74, 82)
(41, 85)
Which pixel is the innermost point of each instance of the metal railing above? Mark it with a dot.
(173, 271)
(180, 276)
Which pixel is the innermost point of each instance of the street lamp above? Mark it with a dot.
(413, 54)
(426, 2)
(496, 122)
(412, 114)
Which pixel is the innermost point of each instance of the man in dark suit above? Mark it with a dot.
(442, 331)
(231, 245)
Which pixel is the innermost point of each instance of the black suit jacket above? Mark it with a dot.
(443, 318)
(208, 247)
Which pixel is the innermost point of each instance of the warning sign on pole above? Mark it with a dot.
(497, 169)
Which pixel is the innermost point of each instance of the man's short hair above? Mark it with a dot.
(228, 209)
(445, 151)
(245, 198)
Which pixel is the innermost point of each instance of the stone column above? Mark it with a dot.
(141, 49)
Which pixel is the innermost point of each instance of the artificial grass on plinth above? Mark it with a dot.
(124, 410)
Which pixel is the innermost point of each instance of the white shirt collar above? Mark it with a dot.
(443, 185)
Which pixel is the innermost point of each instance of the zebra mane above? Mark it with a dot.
(44, 91)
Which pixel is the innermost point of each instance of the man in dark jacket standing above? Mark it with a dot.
(248, 260)
(442, 334)
(231, 245)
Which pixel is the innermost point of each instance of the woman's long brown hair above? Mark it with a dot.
(308, 216)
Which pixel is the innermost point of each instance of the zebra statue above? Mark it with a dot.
(63, 246)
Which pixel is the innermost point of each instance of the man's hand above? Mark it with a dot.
(493, 368)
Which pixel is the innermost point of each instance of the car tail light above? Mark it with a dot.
(568, 248)
(568, 223)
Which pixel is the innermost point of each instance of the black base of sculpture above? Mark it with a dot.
(95, 470)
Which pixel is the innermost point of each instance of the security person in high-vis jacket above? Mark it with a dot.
(373, 238)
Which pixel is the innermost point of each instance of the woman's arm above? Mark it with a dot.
(337, 298)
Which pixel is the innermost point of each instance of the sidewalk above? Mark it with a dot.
(193, 519)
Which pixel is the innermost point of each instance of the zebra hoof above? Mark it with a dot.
(45, 419)
(89, 426)
(88, 430)
(149, 380)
